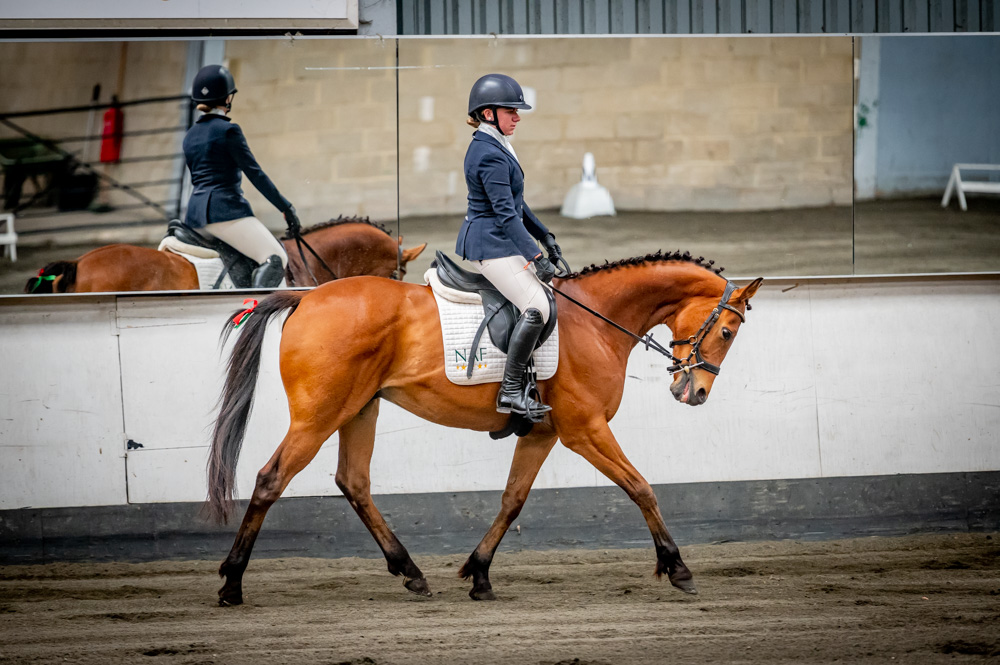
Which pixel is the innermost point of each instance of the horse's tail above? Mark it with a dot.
(56, 277)
(236, 402)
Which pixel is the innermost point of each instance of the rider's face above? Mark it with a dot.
(506, 118)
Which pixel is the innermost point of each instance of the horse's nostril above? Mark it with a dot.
(702, 394)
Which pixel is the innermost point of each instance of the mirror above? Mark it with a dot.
(318, 114)
(737, 149)
(927, 103)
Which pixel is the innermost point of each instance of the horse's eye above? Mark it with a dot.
(727, 334)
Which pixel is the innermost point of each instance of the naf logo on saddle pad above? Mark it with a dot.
(459, 321)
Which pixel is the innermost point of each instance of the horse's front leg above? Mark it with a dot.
(598, 446)
(357, 442)
(531, 451)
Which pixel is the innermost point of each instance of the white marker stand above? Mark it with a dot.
(587, 198)
(961, 187)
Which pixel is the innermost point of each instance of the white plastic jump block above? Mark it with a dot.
(587, 198)
(961, 187)
(8, 238)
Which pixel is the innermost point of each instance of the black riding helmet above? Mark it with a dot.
(212, 85)
(495, 91)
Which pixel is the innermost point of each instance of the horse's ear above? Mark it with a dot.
(413, 252)
(744, 294)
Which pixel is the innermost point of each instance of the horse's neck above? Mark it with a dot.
(640, 297)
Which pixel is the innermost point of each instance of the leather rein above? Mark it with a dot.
(299, 242)
(694, 341)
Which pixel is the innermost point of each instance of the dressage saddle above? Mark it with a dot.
(499, 314)
(239, 267)
(499, 317)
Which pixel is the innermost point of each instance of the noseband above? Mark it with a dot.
(695, 340)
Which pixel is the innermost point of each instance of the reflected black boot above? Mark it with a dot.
(268, 274)
(513, 396)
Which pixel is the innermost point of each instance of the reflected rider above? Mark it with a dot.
(499, 232)
(217, 154)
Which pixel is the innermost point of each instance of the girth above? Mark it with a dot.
(499, 314)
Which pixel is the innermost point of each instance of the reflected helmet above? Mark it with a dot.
(212, 83)
(493, 91)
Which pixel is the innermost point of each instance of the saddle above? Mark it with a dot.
(238, 267)
(499, 314)
(499, 318)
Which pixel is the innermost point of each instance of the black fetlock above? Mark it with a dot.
(516, 394)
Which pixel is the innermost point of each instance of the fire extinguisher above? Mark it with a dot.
(111, 135)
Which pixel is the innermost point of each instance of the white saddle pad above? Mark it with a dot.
(461, 313)
(206, 262)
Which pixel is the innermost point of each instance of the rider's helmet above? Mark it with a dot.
(495, 91)
(212, 85)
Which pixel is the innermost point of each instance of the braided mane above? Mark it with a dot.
(342, 220)
(657, 257)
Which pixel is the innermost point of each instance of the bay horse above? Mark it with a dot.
(351, 343)
(349, 246)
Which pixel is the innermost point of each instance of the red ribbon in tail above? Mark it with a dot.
(241, 318)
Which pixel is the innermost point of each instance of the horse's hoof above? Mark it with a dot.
(229, 597)
(418, 586)
(486, 594)
(687, 586)
(230, 601)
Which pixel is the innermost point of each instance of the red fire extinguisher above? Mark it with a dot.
(111, 135)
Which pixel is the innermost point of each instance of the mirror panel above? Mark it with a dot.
(318, 114)
(737, 149)
(925, 104)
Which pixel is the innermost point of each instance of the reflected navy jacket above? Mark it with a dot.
(216, 152)
(498, 222)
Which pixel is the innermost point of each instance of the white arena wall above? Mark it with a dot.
(829, 377)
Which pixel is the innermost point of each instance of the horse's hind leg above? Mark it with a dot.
(297, 449)
(357, 442)
(531, 451)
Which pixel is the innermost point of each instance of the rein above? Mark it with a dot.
(695, 340)
(299, 242)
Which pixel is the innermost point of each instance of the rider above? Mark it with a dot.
(216, 152)
(497, 234)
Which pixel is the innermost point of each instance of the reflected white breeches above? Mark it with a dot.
(515, 278)
(249, 237)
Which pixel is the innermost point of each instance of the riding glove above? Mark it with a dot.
(544, 268)
(293, 221)
(552, 247)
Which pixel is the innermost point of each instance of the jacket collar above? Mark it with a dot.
(483, 136)
(210, 116)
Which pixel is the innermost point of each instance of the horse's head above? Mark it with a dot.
(405, 256)
(704, 331)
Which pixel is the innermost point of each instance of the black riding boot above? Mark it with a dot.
(513, 396)
(268, 274)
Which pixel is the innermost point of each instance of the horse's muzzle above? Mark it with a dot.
(686, 390)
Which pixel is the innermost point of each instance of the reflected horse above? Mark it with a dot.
(349, 246)
(349, 344)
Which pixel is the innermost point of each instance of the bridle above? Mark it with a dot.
(695, 341)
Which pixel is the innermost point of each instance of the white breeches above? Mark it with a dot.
(515, 278)
(249, 237)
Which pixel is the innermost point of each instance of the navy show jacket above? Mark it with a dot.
(217, 152)
(498, 223)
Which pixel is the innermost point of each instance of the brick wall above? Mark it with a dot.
(674, 123)
(710, 123)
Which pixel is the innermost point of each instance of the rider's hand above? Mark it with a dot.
(544, 268)
(552, 247)
(293, 222)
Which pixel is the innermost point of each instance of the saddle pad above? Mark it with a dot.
(459, 322)
(208, 268)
